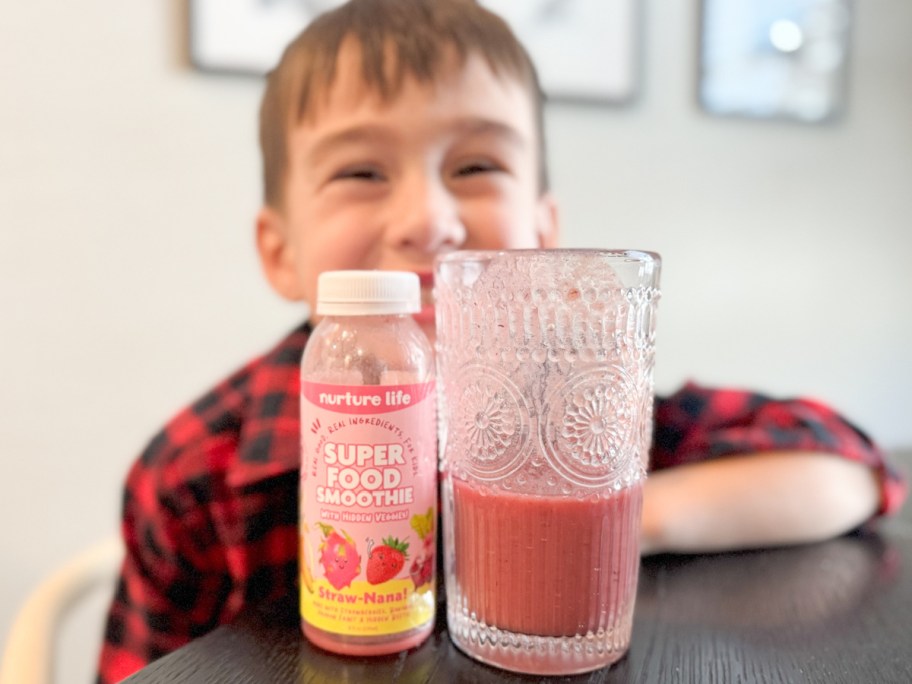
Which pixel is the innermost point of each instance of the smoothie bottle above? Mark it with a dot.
(368, 467)
(545, 361)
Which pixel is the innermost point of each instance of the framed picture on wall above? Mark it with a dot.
(583, 49)
(774, 59)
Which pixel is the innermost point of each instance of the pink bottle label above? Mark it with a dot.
(368, 507)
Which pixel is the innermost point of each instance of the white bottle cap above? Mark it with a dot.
(365, 293)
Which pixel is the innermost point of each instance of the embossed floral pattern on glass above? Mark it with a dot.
(490, 423)
(488, 420)
(591, 428)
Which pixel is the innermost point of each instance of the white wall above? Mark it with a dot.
(785, 246)
(128, 284)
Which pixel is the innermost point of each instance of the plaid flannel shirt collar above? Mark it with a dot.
(269, 438)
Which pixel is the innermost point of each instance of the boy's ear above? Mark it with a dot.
(547, 219)
(277, 253)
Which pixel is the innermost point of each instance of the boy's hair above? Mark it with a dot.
(416, 34)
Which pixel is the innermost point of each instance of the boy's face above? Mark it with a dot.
(373, 185)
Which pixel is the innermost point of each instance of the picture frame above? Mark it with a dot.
(584, 50)
(774, 59)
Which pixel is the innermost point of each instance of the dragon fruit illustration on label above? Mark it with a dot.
(339, 557)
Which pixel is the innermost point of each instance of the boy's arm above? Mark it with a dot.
(734, 469)
(170, 588)
(755, 500)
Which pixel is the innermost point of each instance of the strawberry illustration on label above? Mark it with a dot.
(386, 560)
(339, 557)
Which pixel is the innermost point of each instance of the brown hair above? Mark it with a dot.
(415, 33)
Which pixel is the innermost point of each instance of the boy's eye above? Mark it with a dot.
(365, 173)
(475, 167)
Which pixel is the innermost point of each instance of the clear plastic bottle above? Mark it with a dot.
(368, 511)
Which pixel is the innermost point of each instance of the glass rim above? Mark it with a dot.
(468, 255)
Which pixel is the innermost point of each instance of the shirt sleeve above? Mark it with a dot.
(173, 585)
(698, 424)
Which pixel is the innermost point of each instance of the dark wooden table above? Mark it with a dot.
(839, 611)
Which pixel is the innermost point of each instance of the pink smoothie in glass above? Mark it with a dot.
(547, 566)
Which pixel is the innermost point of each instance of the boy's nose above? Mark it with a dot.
(426, 218)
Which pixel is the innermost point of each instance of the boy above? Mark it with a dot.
(392, 131)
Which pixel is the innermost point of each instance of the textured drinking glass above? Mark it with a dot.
(545, 363)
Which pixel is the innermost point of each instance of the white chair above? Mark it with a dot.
(29, 654)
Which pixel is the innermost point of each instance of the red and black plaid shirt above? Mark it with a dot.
(210, 514)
